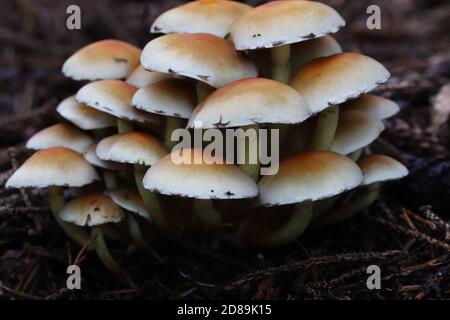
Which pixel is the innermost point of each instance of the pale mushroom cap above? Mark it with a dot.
(334, 79)
(113, 97)
(53, 167)
(306, 51)
(356, 129)
(91, 210)
(105, 59)
(378, 168)
(91, 156)
(171, 97)
(131, 147)
(129, 200)
(60, 135)
(249, 101)
(309, 176)
(141, 77)
(211, 16)
(283, 22)
(83, 116)
(200, 56)
(201, 181)
(379, 107)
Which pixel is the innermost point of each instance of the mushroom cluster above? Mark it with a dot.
(217, 65)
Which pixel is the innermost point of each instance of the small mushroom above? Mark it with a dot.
(105, 59)
(329, 81)
(141, 78)
(211, 16)
(378, 107)
(94, 210)
(52, 169)
(60, 135)
(376, 169)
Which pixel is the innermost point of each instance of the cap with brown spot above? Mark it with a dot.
(379, 168)
(141, 77)
(105, 59)
(309, 176)
(334, 79)
(129, 200)
(83, 116)
(211, 16)
(250, 101)
(60, 135)
(113, 97)
(131, 147)
(171, 97)
(278, 23)
(379, 107)
(194, 174)
(356, 129)
(53, 167)
(91, 210)
(200, 56)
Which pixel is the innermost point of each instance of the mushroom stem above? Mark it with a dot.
(102, 250)
(293, 228)
(251, 161)
(207, 213)
(123, 126)
(355, 206)
(327, 122)
(150, 199)
(135, 231)
(281, 63)
(321, 207)
(355, 155)
(109, 179)
(172, 123)
(203, 91)
(56, 201)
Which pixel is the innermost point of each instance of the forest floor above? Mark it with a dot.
(405, 233)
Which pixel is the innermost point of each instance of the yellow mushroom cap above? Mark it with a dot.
(199, 56)
(83, 116)
(279, 23)
(131, 147)
(356, 129)
(113, 97)
(141, 77)
(170, 97)
(91, 156)
(249, 101)
(206, 180)
(378, 168)
(129, 200)
(105, 59)
(91, 210)
(334, 79)
(379, 107)
(53, 167)
(211, 16)
(60, 135)
(309, 176)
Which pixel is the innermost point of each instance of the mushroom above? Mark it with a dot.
(277, 24)
(54, 168)
(378, 107)
(173, 98)
(211, 16)
(302, 179)
(105, 59)
(250, 102)
(191, 173)
(141, 150)
(114, 97)
(376, 169)
(141, 78)
(131, 201)
(329, 81)
(83, 116)
(60, 135)
(93, 210)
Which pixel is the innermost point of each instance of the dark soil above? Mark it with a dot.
(405, 232)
